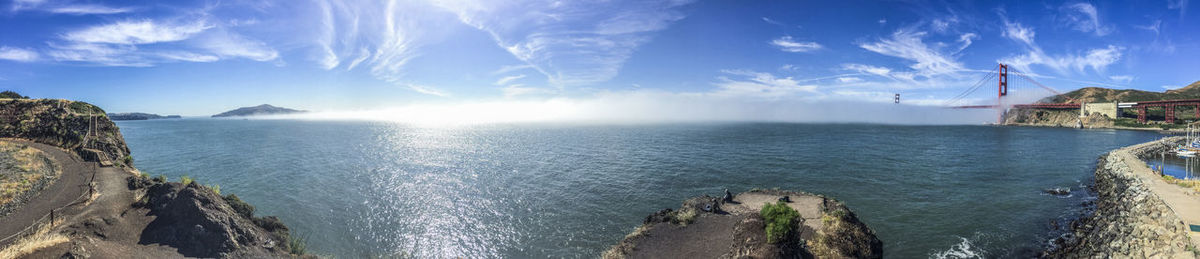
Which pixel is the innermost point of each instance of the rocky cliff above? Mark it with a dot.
(1130, 220)
(77, 126)
(711, 227)
(1055, 118)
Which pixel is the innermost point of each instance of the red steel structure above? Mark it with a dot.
(1169, 105)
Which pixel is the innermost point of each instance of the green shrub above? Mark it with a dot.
(160, 178)
(12, 95)
(780, 220)
(215, 188)
(297, 245)
(85, 108)
(241, 207)
(185, 180)
(684, 216)
(128, 160)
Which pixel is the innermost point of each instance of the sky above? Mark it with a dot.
(531, 60)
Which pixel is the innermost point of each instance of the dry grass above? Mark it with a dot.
(1190, 184)
(684, 216)
(32, 166)
(41, 239)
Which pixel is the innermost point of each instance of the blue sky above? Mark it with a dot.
(204, 57)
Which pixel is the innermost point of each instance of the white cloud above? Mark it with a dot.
(847, 80)
(427, 90)
(1172, 87)
(1121, 78)
(762, 85)
(507, 79)
(943, 24)
(136, 32)
(909, 45)
(571, 42)
(232, 45)
(1095, 59)
(18, 5)
(1182, 5)
(519, 90)
(786, 43)
(966, 39)
(17, 54)
(868, 69)
(143, 43)
(882, 21)
(1083, 17)
(769, 20)
(89, 9)
(1155, 27)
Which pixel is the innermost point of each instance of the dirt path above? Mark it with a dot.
(71, 184)
(1186, 206)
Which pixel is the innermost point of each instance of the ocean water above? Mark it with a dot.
(359, 189)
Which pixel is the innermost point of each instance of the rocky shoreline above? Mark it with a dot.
(713, 227)
(1129, 220)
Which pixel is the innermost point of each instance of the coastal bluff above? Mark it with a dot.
(1132, 219)
(715, 227)
(77, 126)
(100, 206)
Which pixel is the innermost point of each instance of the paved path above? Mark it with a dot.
(71, 184)
(1186, 206)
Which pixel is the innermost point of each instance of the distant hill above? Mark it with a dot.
(265, 109)
(131, 116)
(1097, 94)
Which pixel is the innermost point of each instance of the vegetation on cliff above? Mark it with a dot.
(24, 171)
(1098, 94)
(77, 126)
(265, 109)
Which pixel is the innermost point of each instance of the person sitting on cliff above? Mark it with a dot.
(728, 196)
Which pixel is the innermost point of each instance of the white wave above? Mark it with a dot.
(963, 249)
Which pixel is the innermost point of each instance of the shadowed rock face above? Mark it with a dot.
(77, 126)
(200, 223)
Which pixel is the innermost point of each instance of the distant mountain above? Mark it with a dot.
(130, 116)
(1097, 94)
(265, 109)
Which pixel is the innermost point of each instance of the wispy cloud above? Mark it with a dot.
(1096, 59)
(136, 32)
(570, 42)
(231, 45)
(1155, 27)
(758, 84)
(17, 54)
(507, 79)
(786, 43)
(147, 42)
(1125, 79)
(909, 45)
(847, 80)
(1084, 17)
(87, 9)
(427, 90)
(1182, 5)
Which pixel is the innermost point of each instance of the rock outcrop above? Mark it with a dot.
(77, 126)
(1130, 221)
(712, 227)
(1055, 118)
(200, 223)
